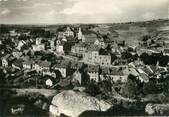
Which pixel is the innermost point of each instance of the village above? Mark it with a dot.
(88, 58)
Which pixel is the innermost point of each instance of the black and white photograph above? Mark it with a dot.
(84, 58)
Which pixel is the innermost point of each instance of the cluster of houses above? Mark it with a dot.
(86, 48)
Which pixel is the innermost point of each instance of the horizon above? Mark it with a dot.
(50, 12)
(35, 24)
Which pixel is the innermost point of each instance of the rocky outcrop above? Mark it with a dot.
(73, 103)
(160, 109)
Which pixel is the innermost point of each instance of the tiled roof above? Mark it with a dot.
(144, 77)
(61, 64)
(105, 70)
(133, 72)
(93, 68)
(153, 68)
(115, 71)
(79, 45)
(68, 29)
(64, 82)
(25, 58)
(93, 48)
(44, 63)
(145, 70)
(112, 71)
(18, 62)
(28, 62)
(76, 65)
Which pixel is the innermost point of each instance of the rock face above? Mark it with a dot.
(161, 109)
(73, 103)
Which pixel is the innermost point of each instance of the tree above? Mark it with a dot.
(152, 59)
(61, 28)
(108, 48)
(106, 85)
(85, 79)
(163, 61)
(145, 58)
(58, 74)
(4, 29)
(131, 88)
(166, 80)
(126, 55)
(2, 78)
(38, 32)
(113, 57)
(150, 87)
(23, 37)
(92, 88)
(103, 51)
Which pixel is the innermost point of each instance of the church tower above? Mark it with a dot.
(80, 35)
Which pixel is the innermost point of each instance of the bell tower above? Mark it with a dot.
(80, 35)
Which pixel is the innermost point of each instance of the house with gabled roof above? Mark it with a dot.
(39, 47)
(166, 51)
(93, 56)
(40, 65)
(20, 44)
(49, 73)
(77, 77)
(17, 54)
(143, 76)
(78, 48)
(76, 65)
(118, 74)
(27, 64)
(93, 72)
(69, 32)
(114, 73)
(17, 64)
(61, 66)
(5, 60)
(99, 42)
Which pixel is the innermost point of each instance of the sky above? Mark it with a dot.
(81, 11)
